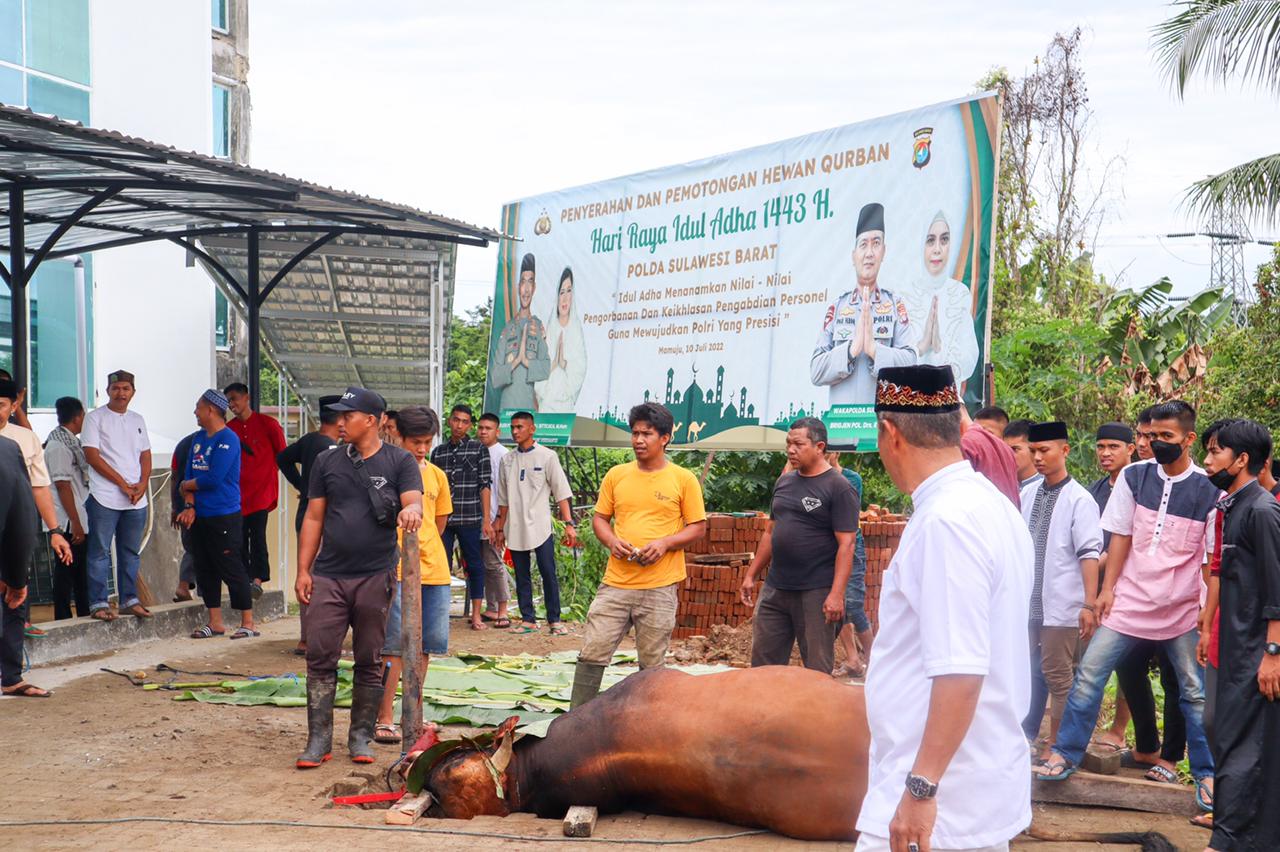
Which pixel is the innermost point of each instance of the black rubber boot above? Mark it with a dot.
(364, 715)
(319, 724)
(586, 683)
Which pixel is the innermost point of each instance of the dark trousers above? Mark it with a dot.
(216, 547)
(12, 624)
(468, 539)
(545, 553)
(1246, 742)
(257, 560)
(784, 618)
(72, 581)
(1131, 674)
(337, 603)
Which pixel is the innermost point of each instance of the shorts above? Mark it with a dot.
(435, 622)
(855, 591)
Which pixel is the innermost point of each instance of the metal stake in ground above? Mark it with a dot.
(410, 640)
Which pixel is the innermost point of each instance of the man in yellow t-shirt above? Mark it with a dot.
(418, 427)
(648, 512)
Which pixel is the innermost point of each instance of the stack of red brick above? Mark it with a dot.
(709, 596)
(881, 533)
(738, 533)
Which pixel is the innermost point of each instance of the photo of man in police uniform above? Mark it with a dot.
(521, 357)
(867, 329)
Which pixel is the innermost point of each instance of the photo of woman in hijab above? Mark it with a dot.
(559, 392)
(943, 306)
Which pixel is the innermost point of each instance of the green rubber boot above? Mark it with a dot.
(319, 724)
(586, 683)
(364, 715)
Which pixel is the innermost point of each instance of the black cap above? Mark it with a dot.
(922, 389)
(328, 400)
(1054, 430)
(871, 218)
(9, 389)
(527, 263)
(1115, 432)
(360, 399)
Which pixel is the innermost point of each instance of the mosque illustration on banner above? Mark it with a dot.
(702, 413)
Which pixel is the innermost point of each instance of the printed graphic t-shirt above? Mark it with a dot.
(807, 512)
(646, 505)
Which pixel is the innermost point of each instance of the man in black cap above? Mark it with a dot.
(521, 357)
(1066, 533)
(296, 462)
(949, 681)
(867, 328)
(347, 552)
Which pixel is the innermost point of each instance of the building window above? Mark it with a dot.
(221, 121)
(11, 32)
(11, 86)
(58, 99)
(220, 331)
(54, 357)
(57, 38)
(219, 15)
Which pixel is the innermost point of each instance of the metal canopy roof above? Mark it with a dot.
(69, 189)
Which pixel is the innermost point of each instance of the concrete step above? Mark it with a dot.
(79, 637)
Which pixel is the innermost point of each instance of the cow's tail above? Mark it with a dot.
(1151, 841)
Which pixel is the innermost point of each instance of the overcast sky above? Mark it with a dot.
(459, 108)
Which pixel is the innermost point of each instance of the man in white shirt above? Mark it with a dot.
(497, 593)
(69, 471)
(13, 617)
(949, 682)
(118, 450)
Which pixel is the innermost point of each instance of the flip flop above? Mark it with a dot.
(244, 633)
(479, 626)
(487, 617)
(1202, 821)
(1204, 797)
(1128, 761)
(104, 614)
(501, 623)
(1111, 746)
(523, 628)
(139, 611)
(559, 629)
(206, 632)
(1162, 775)
(32, 632)
(386, 734)
(1052, 773)
(26, 690)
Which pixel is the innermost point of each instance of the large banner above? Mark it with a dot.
(747, 290)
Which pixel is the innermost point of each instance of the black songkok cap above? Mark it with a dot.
(871, 218)
(1115, 432)
(922, 389)
(9, 390)
(526, 264)
(327, 401)
(1054, 430)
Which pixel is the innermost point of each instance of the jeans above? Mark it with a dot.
(12, 635)
(468, 539)
(435, 622)
(125, 526)
(545, 553)
(855, 591)
(1106, 649)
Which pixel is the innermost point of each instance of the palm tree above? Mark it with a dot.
(1222, 40)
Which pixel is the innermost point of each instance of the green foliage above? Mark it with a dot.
(1243, 379)
(468, 358)
(579, 571)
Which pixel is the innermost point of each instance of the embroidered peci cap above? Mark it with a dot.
(922, 389)
(216, 398)
(1054, 430)
(120, 376)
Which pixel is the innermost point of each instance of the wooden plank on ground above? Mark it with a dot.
(408, 809)
(580, 821)
(1116, 791)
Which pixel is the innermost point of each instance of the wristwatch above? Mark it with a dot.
(920, 787)
(1273, 649)
(188, 505)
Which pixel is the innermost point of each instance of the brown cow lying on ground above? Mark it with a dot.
(776, 747)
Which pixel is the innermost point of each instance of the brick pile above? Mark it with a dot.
(737, 533)
(709, 596)
(881, 532)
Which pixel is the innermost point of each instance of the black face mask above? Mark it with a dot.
(1165, 452)
(1222, 480)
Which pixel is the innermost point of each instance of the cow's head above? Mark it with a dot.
(466, 777)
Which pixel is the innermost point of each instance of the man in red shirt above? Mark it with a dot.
(261, 438)
(990, 456)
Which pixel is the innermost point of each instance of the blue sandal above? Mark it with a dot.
(1204, 797)
(1052, 773)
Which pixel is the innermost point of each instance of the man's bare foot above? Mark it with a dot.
(1111, 738)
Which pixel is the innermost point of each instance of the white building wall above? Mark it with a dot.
(152, 314)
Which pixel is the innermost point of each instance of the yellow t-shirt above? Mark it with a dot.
(646, 505)
(435, 502)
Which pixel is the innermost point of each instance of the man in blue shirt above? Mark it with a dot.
(211, 510)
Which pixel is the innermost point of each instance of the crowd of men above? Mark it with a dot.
(1015, 589)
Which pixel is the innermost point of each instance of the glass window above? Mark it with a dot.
(221, 121)
(11, 31)
(58, 38)
(53, 332)
(6, 330)
(219, 319)
(219, 14)
(58, 98)
(11, 87)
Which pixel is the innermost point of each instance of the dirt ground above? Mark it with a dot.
(104, 749)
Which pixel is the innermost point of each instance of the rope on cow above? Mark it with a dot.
(272, 823)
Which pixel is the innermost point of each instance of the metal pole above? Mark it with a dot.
(18, 308)
(82, 338)
(252, 308)
(410, 641)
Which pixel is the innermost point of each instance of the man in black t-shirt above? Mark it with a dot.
(809, 554)
(347, 549)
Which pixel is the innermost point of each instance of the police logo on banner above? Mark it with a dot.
(920, 151)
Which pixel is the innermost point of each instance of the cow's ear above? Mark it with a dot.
(503, 741)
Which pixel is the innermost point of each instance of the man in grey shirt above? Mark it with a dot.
(527, 478)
